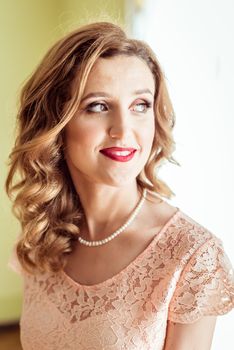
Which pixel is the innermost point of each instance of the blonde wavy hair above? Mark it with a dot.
(45, 200)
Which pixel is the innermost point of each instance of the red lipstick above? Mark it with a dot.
(119, 154)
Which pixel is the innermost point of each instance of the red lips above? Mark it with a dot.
(119, 154)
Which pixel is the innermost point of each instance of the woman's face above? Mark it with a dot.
(116, 111)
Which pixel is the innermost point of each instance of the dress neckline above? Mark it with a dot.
(67, 278)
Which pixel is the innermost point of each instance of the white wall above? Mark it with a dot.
(193, 41)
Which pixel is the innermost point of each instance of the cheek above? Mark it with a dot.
(147, 134)
(82, 136)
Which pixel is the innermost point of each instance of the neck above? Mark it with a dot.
(106, 208)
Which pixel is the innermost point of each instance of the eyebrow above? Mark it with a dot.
(105, 94)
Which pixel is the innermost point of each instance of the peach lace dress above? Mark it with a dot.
(183, 274)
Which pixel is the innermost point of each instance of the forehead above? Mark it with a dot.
(125, 72)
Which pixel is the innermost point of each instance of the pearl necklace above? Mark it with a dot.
(121, 229)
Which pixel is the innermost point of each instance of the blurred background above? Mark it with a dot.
(193, 41)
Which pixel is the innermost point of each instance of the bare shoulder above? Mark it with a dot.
(197, 335)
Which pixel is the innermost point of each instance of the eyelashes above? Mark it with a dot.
(93, 107)
(100, 107)
(147, 105)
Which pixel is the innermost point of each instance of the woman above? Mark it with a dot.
(107, 263)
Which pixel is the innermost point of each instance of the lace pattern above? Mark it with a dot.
(182, 275)
(206, 286)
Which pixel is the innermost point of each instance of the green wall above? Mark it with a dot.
(27, 30)
(80, 12)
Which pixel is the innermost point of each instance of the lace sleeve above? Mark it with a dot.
(206, 285)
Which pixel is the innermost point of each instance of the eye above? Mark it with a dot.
(142, 107)
(96, 107)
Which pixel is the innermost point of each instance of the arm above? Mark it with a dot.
(192, 336)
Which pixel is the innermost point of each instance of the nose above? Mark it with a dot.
(120, 127)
